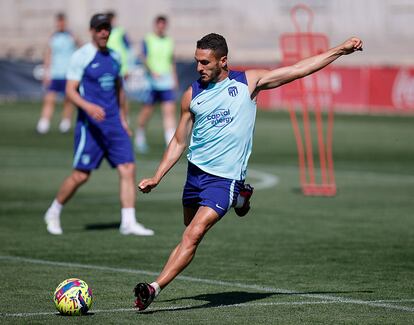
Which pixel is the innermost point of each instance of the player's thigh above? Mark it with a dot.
(168, 109)
(88, 149)
(119, 147)
(203, 220)
(189, 213)
(220, 194)
(50, 97)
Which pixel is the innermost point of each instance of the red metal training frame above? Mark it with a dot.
(306, 95)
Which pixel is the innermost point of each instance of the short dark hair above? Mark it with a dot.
(60, 16)
(214, 42)
(162, 18)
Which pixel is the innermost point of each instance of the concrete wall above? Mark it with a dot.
(252, 28)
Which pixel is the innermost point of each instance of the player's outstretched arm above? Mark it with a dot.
(264, 79)
(176, 147)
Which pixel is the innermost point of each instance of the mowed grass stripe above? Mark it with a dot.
(214, 282)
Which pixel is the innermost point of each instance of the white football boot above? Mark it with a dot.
(43, 126)
(64, 125)
(52, 220)
(135, 229)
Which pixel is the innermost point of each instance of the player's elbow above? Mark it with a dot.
(297, 71)
(71, 90)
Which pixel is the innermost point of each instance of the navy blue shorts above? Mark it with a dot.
(93, 143)
(215, 192)
(160, 96)
(57, 85)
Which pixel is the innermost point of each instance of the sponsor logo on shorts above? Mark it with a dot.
(221, 208)
(86, 159)
(220, 118)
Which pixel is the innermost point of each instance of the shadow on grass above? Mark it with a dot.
(102, 226)
(238, 297)
(83, 315)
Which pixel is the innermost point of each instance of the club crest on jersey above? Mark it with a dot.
(233, 91)
(107, 81)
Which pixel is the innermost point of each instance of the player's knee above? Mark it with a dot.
(80, 177)
(194, 235)
(127, 170)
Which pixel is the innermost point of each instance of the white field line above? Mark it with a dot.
(377, 304)
(265, 180)
(261, 181)
(258, 304)
(294, 169)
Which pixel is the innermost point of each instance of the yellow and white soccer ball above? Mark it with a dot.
(73, 297)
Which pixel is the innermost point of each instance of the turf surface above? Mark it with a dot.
(293, 259)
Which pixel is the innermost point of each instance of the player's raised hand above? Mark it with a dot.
(96, 112)
(147, 184)
(351, 45)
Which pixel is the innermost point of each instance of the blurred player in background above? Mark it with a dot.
(158, 58)
(120, 43)
(95, 86)
(61, 46)
(218, 111)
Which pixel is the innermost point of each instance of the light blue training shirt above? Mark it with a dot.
(62, 45)
(222, 136)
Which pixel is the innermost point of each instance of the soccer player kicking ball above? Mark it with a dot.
(218, 111)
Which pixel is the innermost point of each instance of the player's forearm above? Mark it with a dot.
(317, 62)
(312, 64)
(76, 99)
(281, 76)
(171, 156)
(179, 141)
(278, 77)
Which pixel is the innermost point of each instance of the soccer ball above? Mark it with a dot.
(73, 297)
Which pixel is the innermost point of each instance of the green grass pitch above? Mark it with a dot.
(291, 260)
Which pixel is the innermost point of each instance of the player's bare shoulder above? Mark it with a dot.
(186, 98)
(253, 77)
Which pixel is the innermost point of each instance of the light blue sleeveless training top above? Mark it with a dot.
(221, 141)
(62, 45)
